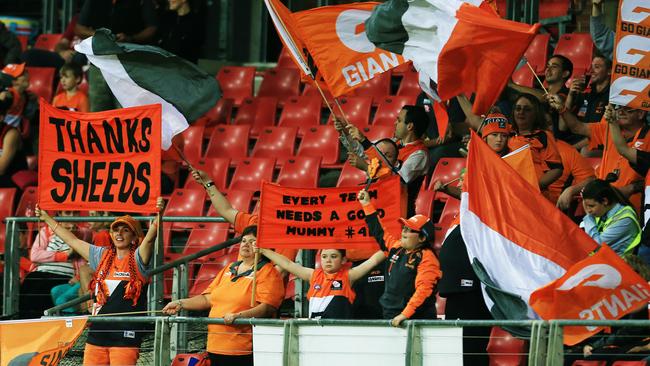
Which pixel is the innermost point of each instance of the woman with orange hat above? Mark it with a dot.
(119, 285)
(412, 269)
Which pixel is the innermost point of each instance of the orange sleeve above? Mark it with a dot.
(269, 289)
(597, 131)
(243, 220)
(580, 168)
(84, 105)
(216, 281)
(425, 280)
(551, 152)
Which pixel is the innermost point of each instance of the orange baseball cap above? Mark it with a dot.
(129, 221)
(14, 70)
(496, 123)
(414, 223)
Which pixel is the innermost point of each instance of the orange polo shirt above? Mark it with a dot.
(575, 166)
(243, 220)
(612, 160)
(77, 102)
(231, 293)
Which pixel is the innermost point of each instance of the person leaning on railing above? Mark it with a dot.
(119, 285)
(229, 297)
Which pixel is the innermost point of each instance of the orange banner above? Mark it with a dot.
(601, 287)
(631, 66)
(108, 161)
(307, 218)
(38, 341)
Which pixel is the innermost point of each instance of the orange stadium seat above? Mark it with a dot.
(376, 88)
(229, 140)
(7, 197)
(389, 108)
(250, 173)
(41, 81)
(302, 112)
(280, 83)
(236, 82)
(409, 85)
(285, 61)
(506, 350)
(217, 169)
(192, 143)
(374, 133)
(579, 48)
(258, 113)
(321, 141)
(351, 176)
(277, 142)
(220, 114)
(301, 171)
(48, 41)
(356, 109)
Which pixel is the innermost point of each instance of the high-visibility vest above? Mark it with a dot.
(625, 212)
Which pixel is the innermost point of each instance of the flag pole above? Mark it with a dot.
(536, 77)
(181, 155)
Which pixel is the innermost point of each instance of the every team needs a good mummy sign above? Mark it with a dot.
(107, 160)
(325, 217)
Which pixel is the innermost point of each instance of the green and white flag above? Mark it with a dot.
(141, 75)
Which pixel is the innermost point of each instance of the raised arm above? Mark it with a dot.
(11, 144)
(365, 267)
(146, 247)
(473, 120)
(78, 245)
(539, 94)
(219, 202)
(283, 262)
(569, 118)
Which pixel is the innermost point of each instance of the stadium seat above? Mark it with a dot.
(506, 350)
(447, 170)
(374, 133)
(321, 141)
(48, 42)
(311, 90)
(537, 53)
(280, 83)
(301, 171)
(302, 112)
(258, 113)
(240, 200)
(376, 88)
(403, 68)
(578, 47)
(220, 114)
(451, 209)
(236, 82)
(389, 108)
(41, 81)
(356, 109)
(206, 235)
(209, 271)
(250, 173)
(278, 142)
(285, 61)
(23, 39)
(7, 197)
(589, 363)
(228, 140)
(191, 144)
(424, 203)
(630, 363)
(351, 176)
(217, 169)
(553, 8)
(190, 359)
(409, 85)
(25, 207)
(524, 77)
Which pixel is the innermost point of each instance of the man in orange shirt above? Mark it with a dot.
(614, 168)
(576, 174)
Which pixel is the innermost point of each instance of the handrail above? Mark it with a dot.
(201, 219)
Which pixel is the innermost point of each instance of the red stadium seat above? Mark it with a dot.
(376, 88)
(230, 141)
(280, 83)
(451, 209)
(537, 53)
(409, 85)
(579, 48)
(41, 81)
(302, 112)
(236, 82)
(285, 61)
(185, 202)
(447, 170)
(389, 108)
(7, 197)
(258, 113)
(192, 142)
(301, 171)
(220, 114)
(190, 359)
(374, 133)
(321, 141)
(217, 169)
(506, 350)
(312, 91)
(250, 173)
(278, 142)
(25, 207)
(630, 363)
(351, 176)
(403, 69)
(553, 8)
(424, 203)
(239, 200)
(588, 363)
(48, 41)
(524, 77)
(209, 271)
(206, 235)
(356, 109)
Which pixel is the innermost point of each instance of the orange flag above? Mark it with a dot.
(38, 341)
(521, 160)
(601, 287)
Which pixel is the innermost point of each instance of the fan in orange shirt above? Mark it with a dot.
(71, 99)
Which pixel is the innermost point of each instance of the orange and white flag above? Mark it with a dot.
(38, 341)
(631, 66)
(601, 287)
(521, 160)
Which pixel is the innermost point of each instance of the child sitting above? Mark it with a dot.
(71, 99)
(330, 287)
(18, 90)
